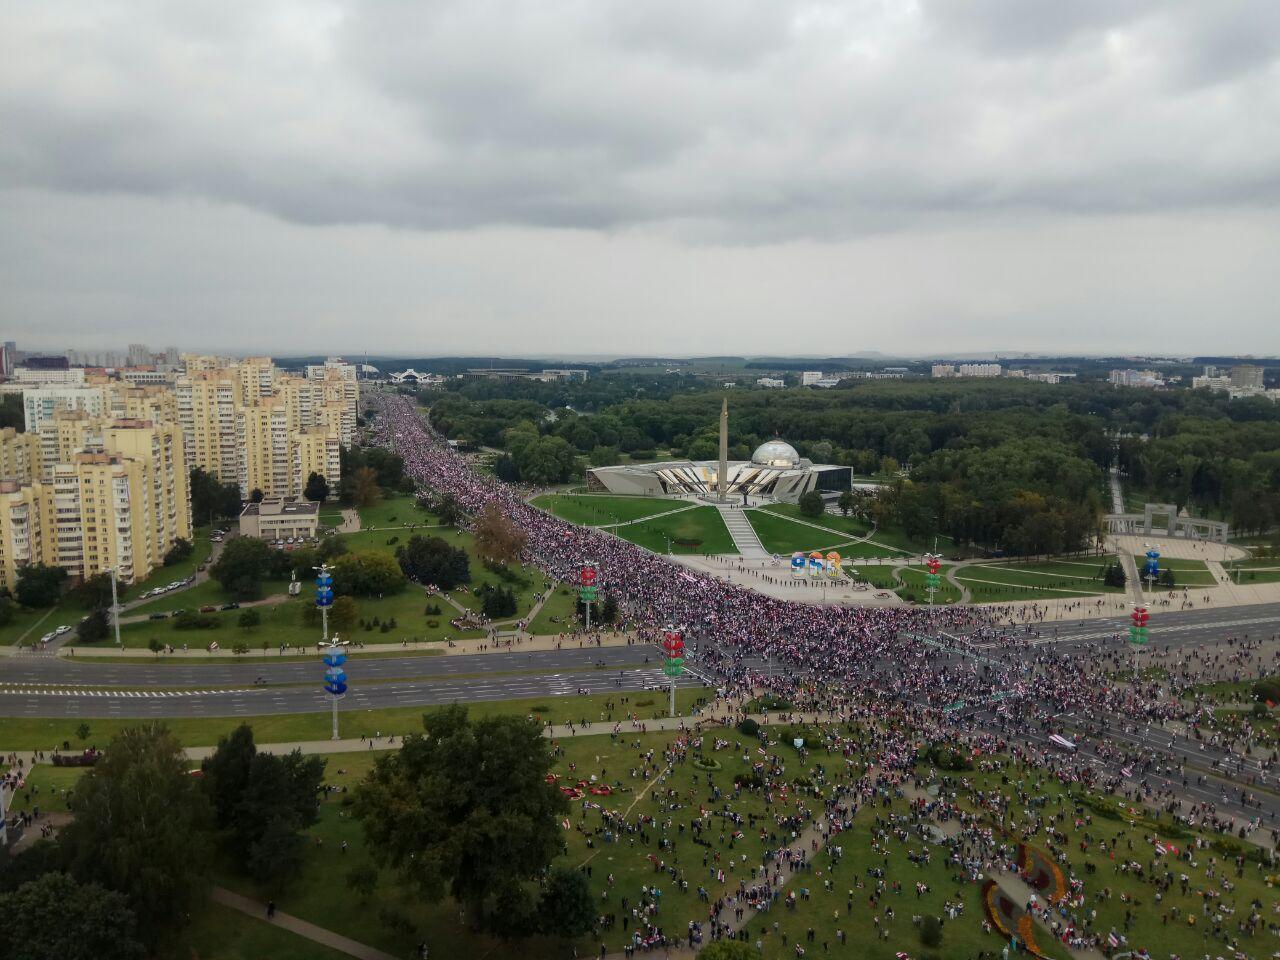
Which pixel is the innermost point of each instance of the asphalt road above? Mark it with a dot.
(143, 673)
(54, 700)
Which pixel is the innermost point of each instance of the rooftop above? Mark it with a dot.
(275, 506)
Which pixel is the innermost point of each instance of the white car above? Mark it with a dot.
(48, 636)
(62, 629)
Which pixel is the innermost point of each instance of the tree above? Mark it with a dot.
(726, 950)
(40, 585)
(249, 618)
(317, 488)
(365, 491)
(363, 879)
(180, 550)
(931, 931)
(96, 626)
(71, 921)
(811, 504)
(497, 602)
(846, 503)
(367, 573)
(261, 804)
(155, 646)
(95, 592)
(6, 611)
(448, 510)
(242, 566)
(1166, 579)
(466, 810)
(1114, 575)
(212, 499)
(498, 540)
(256, 495)
(566, 908)
(344, 614)
(141, 826)
(434, 561)
(82, 731)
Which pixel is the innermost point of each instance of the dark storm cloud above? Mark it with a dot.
(727, 120)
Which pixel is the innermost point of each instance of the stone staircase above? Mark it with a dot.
(744, 535)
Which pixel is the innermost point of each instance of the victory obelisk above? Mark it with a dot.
(722, 478)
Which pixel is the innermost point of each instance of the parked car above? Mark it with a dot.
(62, 629)
(158, 616)
(230, 606)
(208, 608)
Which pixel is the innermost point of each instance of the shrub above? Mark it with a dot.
(931, 931)
(749, 727)
(190, 620)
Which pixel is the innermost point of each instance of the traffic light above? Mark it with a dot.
(1138, 629)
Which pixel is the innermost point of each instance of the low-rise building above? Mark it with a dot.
(278, 518)
(771, 383)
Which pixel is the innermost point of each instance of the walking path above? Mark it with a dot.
(846, 541)
(334, 941)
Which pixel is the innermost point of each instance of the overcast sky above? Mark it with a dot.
(641, 176)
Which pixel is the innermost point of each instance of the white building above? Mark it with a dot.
(1210, 382)
(40, 403)
(810, 377)
(941, 371)
(978, 370)
(38, 376)
(1136, 378)
(771, 383)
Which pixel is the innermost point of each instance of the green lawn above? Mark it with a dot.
(283, 622)
(221, 933)
(913, 577)
(557, 613)
(1048, 576)
(984, 588)
(700, 526)
(1186, 573)
(43, 733)
(597, 510)
(395, 511)
(783, 534)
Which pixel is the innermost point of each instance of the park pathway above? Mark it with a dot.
(334, 941)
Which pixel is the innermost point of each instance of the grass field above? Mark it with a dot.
(780, 533)
(1186, 573)
(885, 543)
(621, 869)
(597, 510)
(556, 615)
(43, 733)
(700, 526)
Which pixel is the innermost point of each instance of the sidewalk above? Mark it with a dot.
(500, 643)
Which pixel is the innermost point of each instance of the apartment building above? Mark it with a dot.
(19, 455)
(42, 402)
(121, 504)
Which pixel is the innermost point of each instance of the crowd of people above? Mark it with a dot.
(853, 661)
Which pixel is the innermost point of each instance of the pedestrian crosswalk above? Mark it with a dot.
(29, 691)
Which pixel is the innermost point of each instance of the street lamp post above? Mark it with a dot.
(115, 608)
(335, 678)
